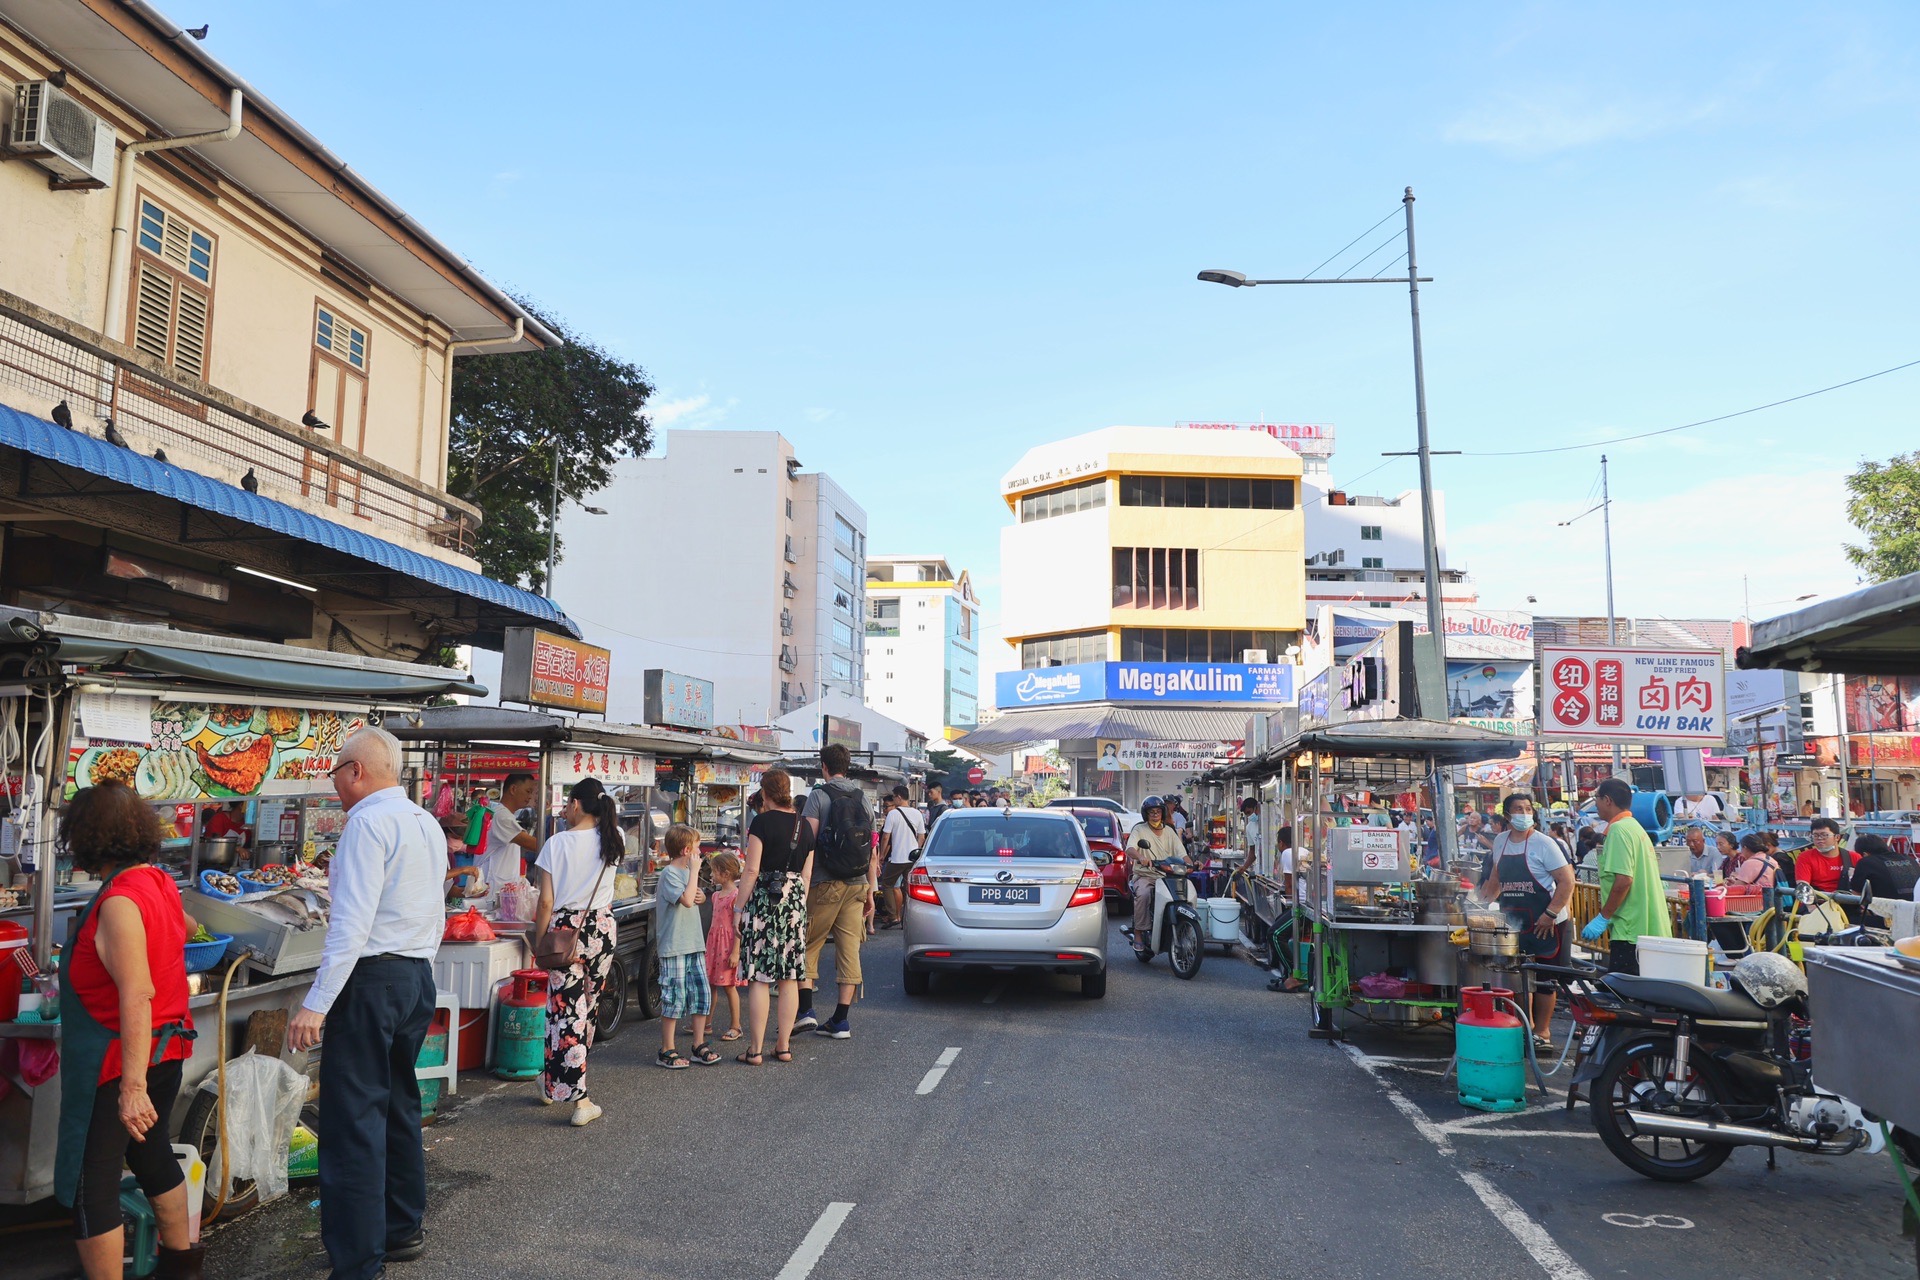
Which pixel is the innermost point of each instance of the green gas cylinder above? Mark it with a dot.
(520, 1041)
(142, 1240)
(1490, 1046)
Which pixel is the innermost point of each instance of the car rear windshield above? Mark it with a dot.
(1098, 826)
(997, 836)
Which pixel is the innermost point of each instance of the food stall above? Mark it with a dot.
(563, 749)
(191, 722)
(1865, 1002)
(1370, 927)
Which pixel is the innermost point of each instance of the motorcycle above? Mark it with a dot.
(1176, 921)
(1681, 1074)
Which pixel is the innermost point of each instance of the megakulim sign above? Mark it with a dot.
(1201, 682)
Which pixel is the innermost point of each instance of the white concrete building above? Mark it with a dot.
(720, 558)
(1368, 550)
(923, 644)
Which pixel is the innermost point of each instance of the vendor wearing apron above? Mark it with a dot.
(124, 1032)
(1533, 884)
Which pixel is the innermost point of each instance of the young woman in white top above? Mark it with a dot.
(575, 873)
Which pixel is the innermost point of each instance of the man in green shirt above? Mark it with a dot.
(1633, 902)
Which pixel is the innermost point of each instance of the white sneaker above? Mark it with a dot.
(585, 1113)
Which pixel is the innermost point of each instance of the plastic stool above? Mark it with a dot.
(450, 1070)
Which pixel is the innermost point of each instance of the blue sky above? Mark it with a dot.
(917, 240)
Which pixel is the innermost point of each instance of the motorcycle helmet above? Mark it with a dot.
(1153, 802)
(1770, 979)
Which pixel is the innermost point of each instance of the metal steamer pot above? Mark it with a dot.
(1492, 942)
(219, 851)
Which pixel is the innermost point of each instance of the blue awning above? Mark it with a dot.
(501, 605)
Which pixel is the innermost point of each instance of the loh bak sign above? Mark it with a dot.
(1665, 697)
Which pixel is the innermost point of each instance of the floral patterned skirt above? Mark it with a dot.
(573, 998)
(773, 933)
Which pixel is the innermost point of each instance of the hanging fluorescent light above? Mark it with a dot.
(285, 582)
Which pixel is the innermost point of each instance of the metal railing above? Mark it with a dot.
(201, 428)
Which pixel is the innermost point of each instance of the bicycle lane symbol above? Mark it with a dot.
(1638, 1222)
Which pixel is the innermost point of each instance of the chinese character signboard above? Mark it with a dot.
(844, 732)
(669, 698)
(1664, 697)
(542, 669)
(1129, 754)
(613, 768)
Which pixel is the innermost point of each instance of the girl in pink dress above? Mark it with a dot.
(723, 944)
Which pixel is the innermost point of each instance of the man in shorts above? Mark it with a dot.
(900, 841)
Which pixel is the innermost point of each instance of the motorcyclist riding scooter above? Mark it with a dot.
(1164, 915)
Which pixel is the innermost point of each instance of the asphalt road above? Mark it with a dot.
(1172, 1129)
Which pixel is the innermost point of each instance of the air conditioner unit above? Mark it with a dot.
(1253, 657)
(60, 135)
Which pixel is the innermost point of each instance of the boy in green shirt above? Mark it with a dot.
(1633, 900)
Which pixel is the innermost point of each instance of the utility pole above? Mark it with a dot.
(1606, 524)
(1436, 607)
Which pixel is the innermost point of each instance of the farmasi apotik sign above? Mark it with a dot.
(1664, 697)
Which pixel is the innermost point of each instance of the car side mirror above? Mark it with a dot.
(1102, 859)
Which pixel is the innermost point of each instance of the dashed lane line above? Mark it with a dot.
(814, 1247)
(931, 1081)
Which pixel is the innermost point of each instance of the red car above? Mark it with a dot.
(1106, 836)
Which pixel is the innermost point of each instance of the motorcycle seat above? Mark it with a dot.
(1701, 1002)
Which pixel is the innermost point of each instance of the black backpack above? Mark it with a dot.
(845, 847)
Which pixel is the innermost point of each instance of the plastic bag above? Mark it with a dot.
(517, 900)
(468, 926)
(264, 1096)
(442, 806)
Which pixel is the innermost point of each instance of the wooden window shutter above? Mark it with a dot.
(190, 332)
(153, 313)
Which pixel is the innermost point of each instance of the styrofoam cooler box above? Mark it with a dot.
(470, 970)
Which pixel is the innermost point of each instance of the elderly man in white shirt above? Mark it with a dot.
(374, 995)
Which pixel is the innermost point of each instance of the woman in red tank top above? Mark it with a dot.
(124, 1041)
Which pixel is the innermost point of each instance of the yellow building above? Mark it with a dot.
(1154, 544)
(1153, 588)
(187, 272)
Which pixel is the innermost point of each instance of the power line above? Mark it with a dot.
(1686, 426)
(1377, 248)
(1356, 240)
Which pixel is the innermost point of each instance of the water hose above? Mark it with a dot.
(220, 1097)
(1900, 1167)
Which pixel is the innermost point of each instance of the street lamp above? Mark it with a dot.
(1436, 612)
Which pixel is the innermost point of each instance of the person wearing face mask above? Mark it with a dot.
(1825, 864)
(1152, 841)
(1533, 884)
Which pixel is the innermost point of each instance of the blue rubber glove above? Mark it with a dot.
(1595, 927)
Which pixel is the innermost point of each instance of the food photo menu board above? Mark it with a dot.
(212, 750)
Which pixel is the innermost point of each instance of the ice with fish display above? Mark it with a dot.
(219, 751)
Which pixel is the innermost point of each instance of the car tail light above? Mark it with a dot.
(920, 887)
(1089, 891)
(938, 955)
(1067, 955)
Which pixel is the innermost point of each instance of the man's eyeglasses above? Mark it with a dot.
(334, 772)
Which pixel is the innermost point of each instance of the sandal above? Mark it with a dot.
(1542, 1044)
(783, 1055)
(733, 1033)
(671, 1060)
(750, 1059)
(703, 1055)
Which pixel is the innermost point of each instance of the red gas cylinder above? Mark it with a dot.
(13, 947)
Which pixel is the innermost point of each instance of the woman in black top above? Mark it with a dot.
(1891, 874)
(772, 917)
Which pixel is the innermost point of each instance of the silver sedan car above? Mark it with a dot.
(1005, 890)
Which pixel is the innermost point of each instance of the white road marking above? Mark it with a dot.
(814, 1247)
(1489, 1117)
(1520, 1133)
(1532, 1236)
(931, 1081)
(1635, 1221)
(993, 996)
(1402, 1103)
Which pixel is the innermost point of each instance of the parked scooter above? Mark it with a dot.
(1682, 1074)
(1176, 921)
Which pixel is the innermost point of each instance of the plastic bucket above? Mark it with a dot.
(13, 944)
(1716, 903)
(1223, 919)
(1677, 959)
(195, 1173)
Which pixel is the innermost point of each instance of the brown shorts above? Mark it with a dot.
(892, 873)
